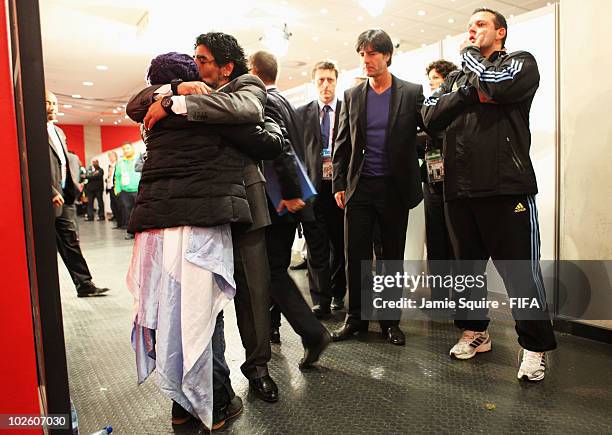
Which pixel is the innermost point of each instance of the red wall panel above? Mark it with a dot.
(114, 137)
(18, 377)
(75, 139)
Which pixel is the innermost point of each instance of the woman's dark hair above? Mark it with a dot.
(443, 67)
(377, 40)
(225, 49)
(170, 66)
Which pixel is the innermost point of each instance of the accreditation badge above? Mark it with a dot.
(435, 166)
(326, 160)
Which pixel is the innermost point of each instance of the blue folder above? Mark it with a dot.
(273, 187)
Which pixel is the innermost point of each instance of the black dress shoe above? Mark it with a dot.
(337, 304)
(348, 330)
(89, 289)
(229, 411)
(129, 236)
(265, 388)
(275, 336)
(321, 312)
(180, 415)
(300, 266)
(312, 353)
(396, 336)
(89, 219)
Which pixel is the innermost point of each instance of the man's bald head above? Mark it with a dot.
(51, 103)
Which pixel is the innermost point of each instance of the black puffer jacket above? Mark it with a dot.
(194, 175)
(486, 145)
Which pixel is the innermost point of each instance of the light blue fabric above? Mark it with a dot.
(157, 335)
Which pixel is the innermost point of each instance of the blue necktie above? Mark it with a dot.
(325, 126)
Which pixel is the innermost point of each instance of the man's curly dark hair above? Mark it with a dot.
(225, 49)
(443, 67)
(170, 66)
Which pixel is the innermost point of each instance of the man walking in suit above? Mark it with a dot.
(222, 67)
(376, 176)
(280, 235)
(64, 191)
(320, 120)
(95, 190)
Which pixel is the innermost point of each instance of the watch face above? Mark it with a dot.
(166, 102)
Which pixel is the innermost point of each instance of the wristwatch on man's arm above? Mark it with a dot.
(166, 104)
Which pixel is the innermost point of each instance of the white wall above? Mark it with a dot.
(586, 140)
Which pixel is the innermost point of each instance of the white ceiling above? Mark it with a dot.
(78, 35)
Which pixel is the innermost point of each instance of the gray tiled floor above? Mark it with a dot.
(361, 386)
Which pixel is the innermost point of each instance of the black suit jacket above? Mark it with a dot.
(71, 190)
(404, 117)
(285, 115)
(309, 116)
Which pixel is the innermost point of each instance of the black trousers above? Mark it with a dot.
(116, 207)
(222, 385)
(252, 301)
(331, 218)
(98, 196)
(501, 228)
(439, 249)
(285, 293)
(68, 246)
(373, 199)
(127, 199)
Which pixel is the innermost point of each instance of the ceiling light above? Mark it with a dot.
(324, 11)
(115, 122)
(392, 24)
(359, 18)
(290, 78)
(421, 13)
(115, 111)
(345, 44)
(304, 73)
(422, 30)
(118, 121)
(60, 113)
(373, 7)
(101, 67)
(119, 108)
(76, 96)
(276, 40)
(87, 83)
(451, 21)
(315, 38)
(325, 51)
(101, 120)
(67, 106)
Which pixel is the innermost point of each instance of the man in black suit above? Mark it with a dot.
(222, 67)
(65, 173)
(376, 176)
(95, 190)
(320, 120)
(280, 235)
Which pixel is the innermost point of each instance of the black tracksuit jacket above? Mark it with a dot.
(486, 145)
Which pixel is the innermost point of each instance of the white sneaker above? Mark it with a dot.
(471, 343)
(533, 366)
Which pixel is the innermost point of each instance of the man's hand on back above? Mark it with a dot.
(155, 113)
(193, 88)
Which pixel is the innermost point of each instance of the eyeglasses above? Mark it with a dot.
(202, 60)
